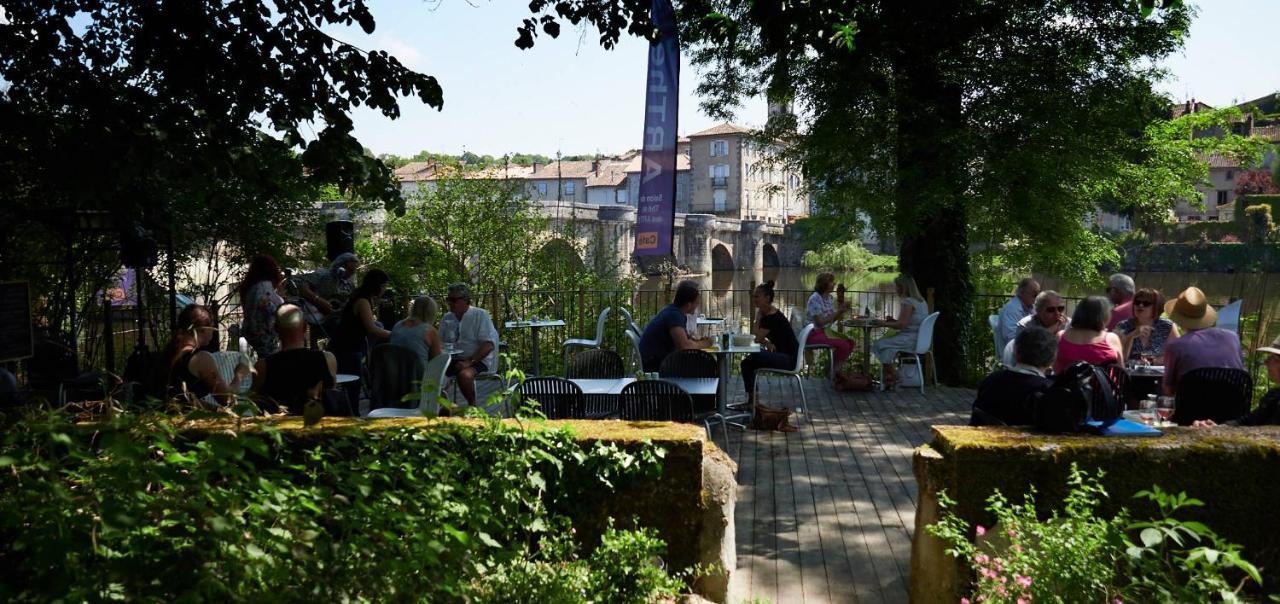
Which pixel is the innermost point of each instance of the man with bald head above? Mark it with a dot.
(296, 374)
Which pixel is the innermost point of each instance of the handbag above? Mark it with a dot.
(771, 418)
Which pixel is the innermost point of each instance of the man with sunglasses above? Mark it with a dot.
(474, 337)
(1050, 313)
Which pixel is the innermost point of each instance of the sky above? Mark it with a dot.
(570, 95)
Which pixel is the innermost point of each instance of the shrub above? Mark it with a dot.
(1260, 222)
(148, 507)
(1077, 554)
(849, 255)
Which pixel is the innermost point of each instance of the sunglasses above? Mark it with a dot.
(1144, 303)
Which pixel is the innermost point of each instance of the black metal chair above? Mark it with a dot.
(1215, 393)
(655, 400)
(597, 364)
(1118, 385)
(694, 364)
(557, 398)
(394, 372)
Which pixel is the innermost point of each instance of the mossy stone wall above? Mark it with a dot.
(1235, 471)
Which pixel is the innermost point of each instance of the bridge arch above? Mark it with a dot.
(771, 259)
(721, 258)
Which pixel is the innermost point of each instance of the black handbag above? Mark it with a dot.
(1067, 404)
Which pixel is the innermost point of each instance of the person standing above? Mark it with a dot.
(349, 339)
(1020, 306)
(326, 289)
(773, 333)
(668, 331)
(1120, 290)
(259, 300)
(474, 337)
(1202, 344)
(823, 312)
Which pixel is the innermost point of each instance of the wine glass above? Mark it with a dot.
(1147, 411)
(1165, 408)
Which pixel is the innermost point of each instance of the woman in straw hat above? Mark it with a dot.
(1268, 411)
(1201, 345)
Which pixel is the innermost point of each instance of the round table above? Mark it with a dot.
(866, 324)
(726, 355)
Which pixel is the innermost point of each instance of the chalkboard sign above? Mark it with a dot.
(16, 335)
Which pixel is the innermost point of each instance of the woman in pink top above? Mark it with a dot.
(1087, 339)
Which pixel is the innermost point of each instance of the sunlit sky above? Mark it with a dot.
(569, 94)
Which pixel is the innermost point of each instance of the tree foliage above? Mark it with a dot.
(947, 123)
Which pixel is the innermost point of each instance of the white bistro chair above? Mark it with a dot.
(635, 348)
(994, 322)
(1229, 316)
(629, 320)
(924, 347)
(585, 343)
(791, 373)
(429, 396)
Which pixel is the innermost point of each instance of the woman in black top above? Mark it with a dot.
(189, 368)
(773, 332)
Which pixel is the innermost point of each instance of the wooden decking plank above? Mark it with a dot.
(846, 581)
(813, 573)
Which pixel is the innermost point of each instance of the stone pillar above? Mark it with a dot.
(696, 249)
(750, 248)
(615, 243)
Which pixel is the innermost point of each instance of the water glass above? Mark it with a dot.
(1147, 411)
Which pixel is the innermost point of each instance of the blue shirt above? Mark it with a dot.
(656, 342)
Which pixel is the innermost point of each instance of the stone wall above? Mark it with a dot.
(1232, 470)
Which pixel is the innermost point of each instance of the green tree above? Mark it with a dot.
(1260, 223)
(948, 123)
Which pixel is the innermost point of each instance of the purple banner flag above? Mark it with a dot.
(656, 206)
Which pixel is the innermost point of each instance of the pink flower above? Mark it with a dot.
(1016, 548)
(964, 600)
(981, 531)
(981, 558)
(1011, 533)
(1023, 581)
(1023, 601)
(1118, 601)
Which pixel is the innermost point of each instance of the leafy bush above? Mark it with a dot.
(1077, 554)
(147, 507)
(849, 255)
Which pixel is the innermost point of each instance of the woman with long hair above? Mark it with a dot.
(187, 368)
(911, 314)
(356, 323)
(259, 301)
(417, 332)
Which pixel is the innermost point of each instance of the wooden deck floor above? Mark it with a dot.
(826, 514)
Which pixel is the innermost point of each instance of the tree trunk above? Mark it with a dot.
(931, 187)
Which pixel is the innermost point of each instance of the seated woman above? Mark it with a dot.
(1004, 396)
(417, 331)
(773, 332)
(190, 370)
(910, 315)
(823, 312)
(1144, 335)
(1087, 338)
(1267, 413)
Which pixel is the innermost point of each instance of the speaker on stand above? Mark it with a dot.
(339, 238)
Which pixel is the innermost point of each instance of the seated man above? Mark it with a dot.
(1050, 313)
(288, 379)
(474, 337)
(1019, 307)
(1201, 345)
(1004, 396)
(1267, 413)
(668, 332)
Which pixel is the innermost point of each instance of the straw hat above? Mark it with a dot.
(1274, 348)
(1190, 310)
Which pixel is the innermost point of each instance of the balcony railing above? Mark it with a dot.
(719, 181)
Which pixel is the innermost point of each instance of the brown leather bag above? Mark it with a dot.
(771, 418)
(855, 382)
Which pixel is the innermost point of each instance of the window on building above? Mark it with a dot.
(568, 188)
(542, 189)
(1222, 197)
(1230, 174)
(622, 196)
(719, 148)
(720, 197)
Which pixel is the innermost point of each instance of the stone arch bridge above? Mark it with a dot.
(703, 242)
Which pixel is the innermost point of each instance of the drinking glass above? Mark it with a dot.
(1165, 408)
(1147, 411)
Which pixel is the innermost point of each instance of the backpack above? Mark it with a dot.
(1069, 402)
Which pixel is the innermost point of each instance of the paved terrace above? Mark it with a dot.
(826, 514)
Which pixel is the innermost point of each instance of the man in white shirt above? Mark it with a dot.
(1050, 314)
(474, 339)
(1021, 305)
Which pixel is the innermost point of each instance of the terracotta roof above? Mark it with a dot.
(434, 172)
(611, 174)
(415, 171)
(1192, 106)
(682, 163)
(722, 129)
(1218, 161)
(1271, 133)
(564, 169)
